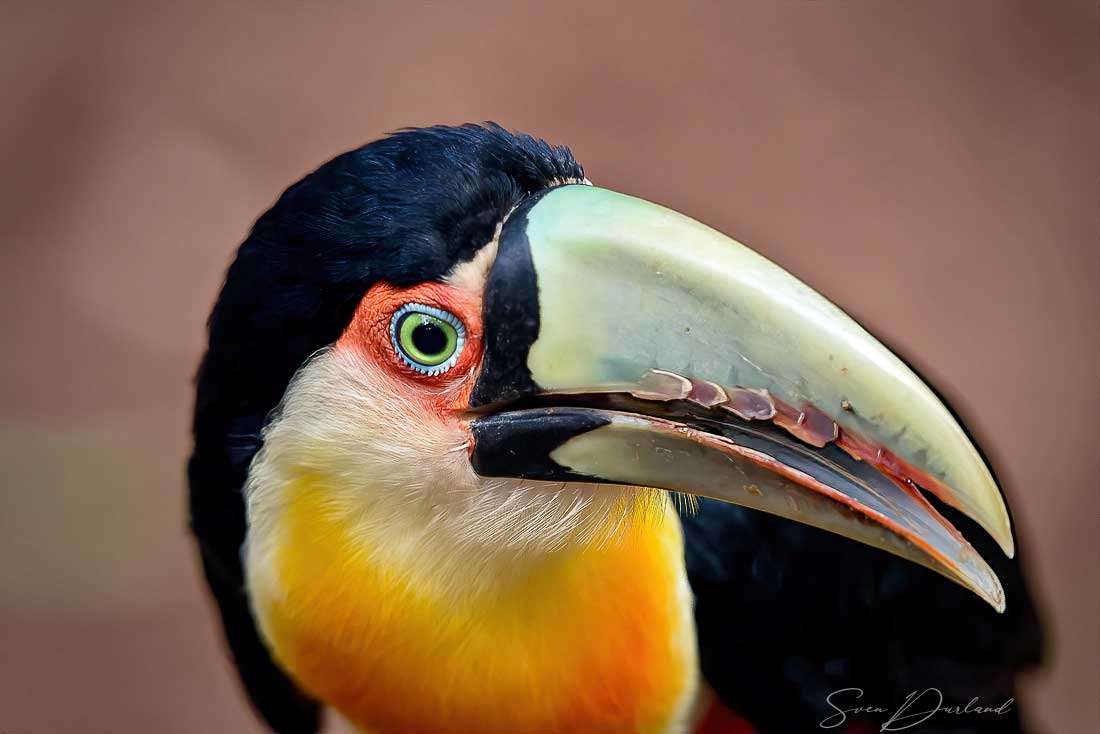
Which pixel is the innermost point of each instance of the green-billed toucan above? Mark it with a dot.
(474, 443)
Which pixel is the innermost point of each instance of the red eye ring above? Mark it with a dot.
(368, 335)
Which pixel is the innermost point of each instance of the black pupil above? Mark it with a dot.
(429, 338)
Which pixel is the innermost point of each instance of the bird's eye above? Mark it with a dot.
(426, 338)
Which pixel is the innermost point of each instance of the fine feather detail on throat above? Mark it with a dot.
(402, 482)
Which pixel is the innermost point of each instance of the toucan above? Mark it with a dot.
(482, 447)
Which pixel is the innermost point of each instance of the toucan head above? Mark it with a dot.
(457, 336)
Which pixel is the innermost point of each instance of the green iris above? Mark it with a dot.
(426, 339)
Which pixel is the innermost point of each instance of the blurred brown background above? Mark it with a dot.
(934, 167)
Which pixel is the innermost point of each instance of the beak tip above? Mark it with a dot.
(979, 578)
(998, 599)
(998, 603)
(999, 528)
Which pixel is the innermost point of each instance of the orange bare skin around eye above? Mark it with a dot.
(369, 335)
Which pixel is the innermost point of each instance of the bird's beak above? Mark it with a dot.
(627, 343)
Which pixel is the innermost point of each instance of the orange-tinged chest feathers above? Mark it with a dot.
(592, 638)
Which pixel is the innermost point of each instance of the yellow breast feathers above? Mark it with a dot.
(596, 637)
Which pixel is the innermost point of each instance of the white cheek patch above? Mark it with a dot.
(399, 478)
(470, 276)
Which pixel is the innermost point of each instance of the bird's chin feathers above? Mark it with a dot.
(399, 478)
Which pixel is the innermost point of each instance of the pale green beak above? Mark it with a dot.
(628, 343)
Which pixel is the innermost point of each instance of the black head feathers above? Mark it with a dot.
(404, 209)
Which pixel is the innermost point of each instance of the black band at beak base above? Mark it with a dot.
(511, 314)
(519, 444)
